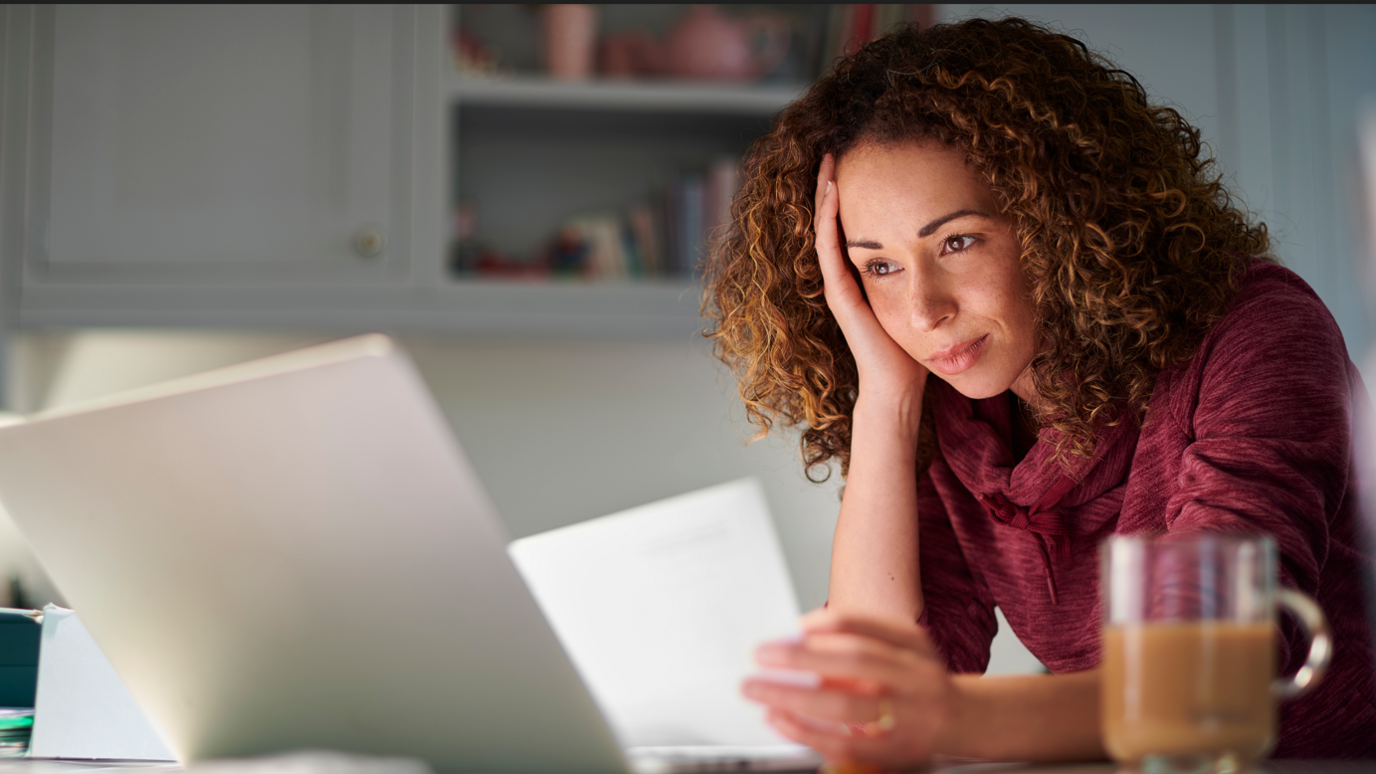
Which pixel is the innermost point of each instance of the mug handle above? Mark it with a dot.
(1312, 620)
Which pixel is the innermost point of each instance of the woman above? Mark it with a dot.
(1008, 295)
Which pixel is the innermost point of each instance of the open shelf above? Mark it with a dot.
(528, 141)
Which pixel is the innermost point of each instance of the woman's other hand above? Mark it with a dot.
(885, 369)
(884, 697)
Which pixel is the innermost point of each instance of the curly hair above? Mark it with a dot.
(1130, 242)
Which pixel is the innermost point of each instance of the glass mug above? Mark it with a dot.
(1189, 651)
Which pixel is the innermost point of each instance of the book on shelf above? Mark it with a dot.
(692, 232)
(700, 208)
(645, 239)
(666, 234)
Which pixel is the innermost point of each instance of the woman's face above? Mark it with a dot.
(939, 265)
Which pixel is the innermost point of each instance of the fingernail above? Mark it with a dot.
(771, 653)
(791, 677)
(828, 189)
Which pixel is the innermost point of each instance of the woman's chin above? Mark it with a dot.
(976, 386)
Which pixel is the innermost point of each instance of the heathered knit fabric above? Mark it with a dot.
(1254, 435)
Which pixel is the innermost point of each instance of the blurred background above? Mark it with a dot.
(520, 194)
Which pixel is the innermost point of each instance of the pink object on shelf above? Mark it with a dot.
(570, 36)
(708, 45)
(631, 54)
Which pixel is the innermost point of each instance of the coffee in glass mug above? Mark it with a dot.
(1189, 650)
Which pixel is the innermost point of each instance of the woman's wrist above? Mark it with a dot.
(897, 410)
(963, 707)
(1023, 717)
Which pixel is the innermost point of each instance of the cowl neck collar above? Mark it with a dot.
(975, 438)
(1037, 494)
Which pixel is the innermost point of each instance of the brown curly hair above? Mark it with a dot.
(1131, 243)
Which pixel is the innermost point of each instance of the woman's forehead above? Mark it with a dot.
(912, 175)
(913, 157)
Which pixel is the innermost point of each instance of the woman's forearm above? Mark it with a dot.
(1026, 718)
(874, 669)
(874, 566)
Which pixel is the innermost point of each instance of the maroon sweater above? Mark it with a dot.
(1253, 434)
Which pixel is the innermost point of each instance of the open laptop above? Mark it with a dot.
(295, 553)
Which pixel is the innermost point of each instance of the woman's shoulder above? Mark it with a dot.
(1274, 312)
(1264, 278)
(1277, 340)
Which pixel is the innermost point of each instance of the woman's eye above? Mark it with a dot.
(957, 243)
(878, 268)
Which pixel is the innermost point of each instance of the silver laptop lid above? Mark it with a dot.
(296, 553)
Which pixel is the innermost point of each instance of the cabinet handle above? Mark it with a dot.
(369, 241)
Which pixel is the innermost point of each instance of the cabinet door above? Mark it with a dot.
(194, 144)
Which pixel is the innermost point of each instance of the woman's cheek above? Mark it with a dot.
(893, 315)
(886, 306)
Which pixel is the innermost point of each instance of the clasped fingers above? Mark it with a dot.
(864, 664)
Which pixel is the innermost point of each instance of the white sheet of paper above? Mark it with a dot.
(660, 608)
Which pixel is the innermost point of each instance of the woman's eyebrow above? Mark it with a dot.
(927, 230)
(931, 228)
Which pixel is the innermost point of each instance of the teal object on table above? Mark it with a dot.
(20, 631)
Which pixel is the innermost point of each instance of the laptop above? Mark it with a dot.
(296, 553)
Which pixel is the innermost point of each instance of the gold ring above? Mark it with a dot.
(880, 726)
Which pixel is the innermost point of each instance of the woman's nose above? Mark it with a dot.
(930, 301)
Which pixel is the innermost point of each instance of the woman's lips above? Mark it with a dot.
(953, 360)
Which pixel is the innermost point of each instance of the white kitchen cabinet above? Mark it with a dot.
(185, 144)
(244, 166)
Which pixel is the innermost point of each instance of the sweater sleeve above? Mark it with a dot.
(958, 612)
(1269, 442)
